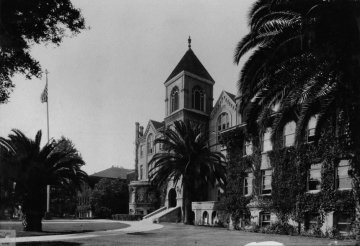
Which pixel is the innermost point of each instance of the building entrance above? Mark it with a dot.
(172, 198)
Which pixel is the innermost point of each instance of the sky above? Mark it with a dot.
(112, 74)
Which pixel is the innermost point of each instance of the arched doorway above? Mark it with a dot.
(205, 218)
(213, 218)
(172, 198)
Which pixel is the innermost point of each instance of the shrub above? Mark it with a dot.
(127, 217)
(103, 213)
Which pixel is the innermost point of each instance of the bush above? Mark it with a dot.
(281, 228)
(103, 213)
(275, 228)
(127, 217)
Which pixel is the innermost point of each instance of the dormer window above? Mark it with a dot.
(198, 98)
(174, 99)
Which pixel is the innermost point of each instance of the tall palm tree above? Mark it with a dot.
(188, 159)
(32, 167)
(306, 57)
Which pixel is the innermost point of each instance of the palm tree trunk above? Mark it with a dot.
(32, 221)
(186, 211)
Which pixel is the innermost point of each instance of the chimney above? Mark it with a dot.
(141, 131)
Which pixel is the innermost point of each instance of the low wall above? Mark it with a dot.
(173, 216)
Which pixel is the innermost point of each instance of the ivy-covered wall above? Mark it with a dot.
(289, 198)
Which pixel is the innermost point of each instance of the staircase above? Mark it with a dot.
(155, 212)
(164, 214)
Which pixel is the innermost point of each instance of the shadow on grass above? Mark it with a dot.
(140, 233)
(52, 243)
(47, 233)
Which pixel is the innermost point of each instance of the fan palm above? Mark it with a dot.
(31, 168)
(188, 159)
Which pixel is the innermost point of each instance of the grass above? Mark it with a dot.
(62, 227)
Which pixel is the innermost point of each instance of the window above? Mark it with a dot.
(247, 189)
(310, 134)
(141, 151)
(150, 144)
(343, 222)
(265, 219)
(276, 107)
(248, 148)
(289, 134)
(223, 121)
(198, 98)
(141, 172)
(311, 221)
(266, 181)
(267, 145)
(343, 180)
(154, 147)
(174, 101)
(314, 178)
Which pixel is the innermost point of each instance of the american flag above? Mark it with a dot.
(44, 94)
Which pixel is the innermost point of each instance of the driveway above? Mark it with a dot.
(179, 234)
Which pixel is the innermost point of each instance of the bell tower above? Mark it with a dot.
(188, 91)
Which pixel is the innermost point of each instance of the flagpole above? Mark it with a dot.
(48, 137)
(47, 106)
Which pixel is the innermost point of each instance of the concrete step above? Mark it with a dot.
(156, 218)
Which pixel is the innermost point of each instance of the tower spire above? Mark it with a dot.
(189, 42)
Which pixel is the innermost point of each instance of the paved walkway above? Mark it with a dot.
(134, 227)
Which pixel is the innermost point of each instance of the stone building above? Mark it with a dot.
(189, 95)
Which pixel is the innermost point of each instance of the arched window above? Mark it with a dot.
(223, 121)
(198, 98)
(267, 144)
(174, 100)
(310, 134)
(141, 172)
(289, 134)
(150, 144)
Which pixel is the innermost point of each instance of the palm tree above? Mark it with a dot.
(306, 57)
(31, 168)
(188, 159)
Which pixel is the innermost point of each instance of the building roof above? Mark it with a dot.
(232, 96)
(157, 124)
(190, 63)
(113, 172)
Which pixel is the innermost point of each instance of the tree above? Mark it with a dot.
(63, 201)
(110, 196)
(31, 168)
(24, 23)
(306, 58)
(188, 159)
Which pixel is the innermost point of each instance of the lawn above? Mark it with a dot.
(55, 227)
